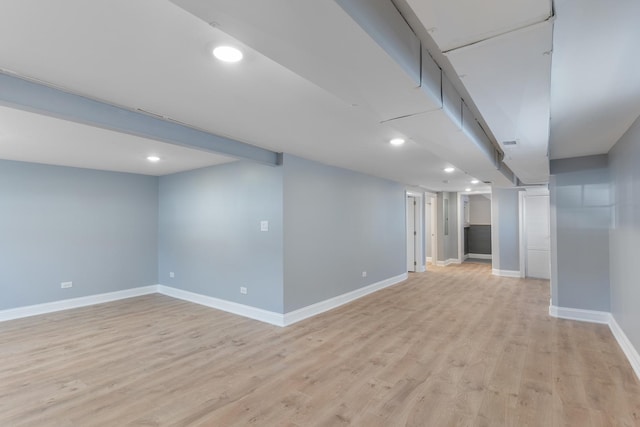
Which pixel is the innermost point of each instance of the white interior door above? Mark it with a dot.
(537, 235)
(411, 234)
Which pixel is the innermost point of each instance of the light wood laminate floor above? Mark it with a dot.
(451, 347)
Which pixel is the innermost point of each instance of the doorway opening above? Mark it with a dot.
(475, 223)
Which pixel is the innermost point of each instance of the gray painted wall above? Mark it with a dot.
(581, 207)
(97, 229)
(624, 159)
(479, 210)
(209, 233)
(339, 223)
(447, 244)
(505, 230)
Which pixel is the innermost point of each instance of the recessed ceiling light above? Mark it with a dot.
(474, 181)
(227, 54)
(153, 159)
(449, 170)
(467, 189)
(396, 141)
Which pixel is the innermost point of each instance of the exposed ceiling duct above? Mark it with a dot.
(384, 23)
(392, 80)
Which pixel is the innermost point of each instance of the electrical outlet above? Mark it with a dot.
(65, 285)
(243, 290)
(364, 274)
(172, 274)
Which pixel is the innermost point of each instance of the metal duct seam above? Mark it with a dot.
(385, 24)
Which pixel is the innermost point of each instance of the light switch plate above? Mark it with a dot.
(264, 225)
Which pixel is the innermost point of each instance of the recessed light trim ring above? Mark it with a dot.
(227, 53)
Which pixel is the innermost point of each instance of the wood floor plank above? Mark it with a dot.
(454, 346)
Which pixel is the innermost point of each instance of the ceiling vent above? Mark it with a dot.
(510, 143)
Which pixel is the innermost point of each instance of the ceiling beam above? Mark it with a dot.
(28, 95)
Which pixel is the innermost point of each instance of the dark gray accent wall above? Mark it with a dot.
(58, 224)
(624, 159)
(505, 208)
(209, 233)
(480, 239)
(338, 223)
(581, 205)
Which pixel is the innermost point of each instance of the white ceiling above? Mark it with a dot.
(595, 83)
(36, 138)
(314, 84)
(457, 23)
(509, 78)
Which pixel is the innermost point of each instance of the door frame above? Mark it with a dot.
(419, 228)
(523, 235)
(461, 256)
(431, 200)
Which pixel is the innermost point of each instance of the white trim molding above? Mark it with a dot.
(331, 303)
(591, 316)
(271, 317)
(66, 304)
(605, 318)
(448, 262)
(628, 348)
(279, 319)
(229, 306)
(506, 273)
(479, 256)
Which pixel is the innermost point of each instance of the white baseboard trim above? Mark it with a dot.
(581, 315)
(224, 305)
(331, 303)
(66, 304)
(448, 262)
(429, 259)
(628, 348)
(506, 273)
(266, 316)
(421, 269)
(479, 256)
(606, 318)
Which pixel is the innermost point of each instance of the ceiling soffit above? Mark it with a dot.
(457, 23)
(509, 78)
(373, 64)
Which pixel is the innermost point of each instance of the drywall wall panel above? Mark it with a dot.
(210, 233)
(338, 224)
(479, 210)
(581, 203)
(625, 233)
(95, 229)
(505, 229)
